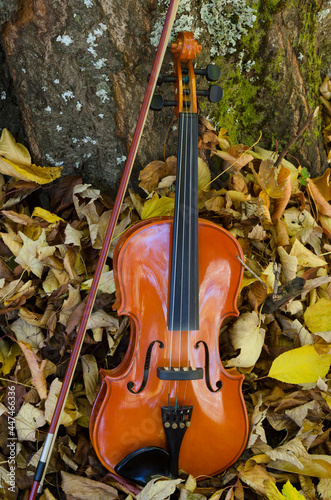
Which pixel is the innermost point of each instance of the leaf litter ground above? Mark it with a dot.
(281, 340)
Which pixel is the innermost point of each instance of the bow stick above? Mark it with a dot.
(51, 436)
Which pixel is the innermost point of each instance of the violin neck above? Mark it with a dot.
(184, 279)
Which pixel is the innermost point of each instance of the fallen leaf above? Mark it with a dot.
(70, 413)
(159, 489)
(90, 376)
(82, 488)
(46, 215)
(156, 207)
(300, 366)
(248, 337)
(27, 421)
(13, 150)
(37, 369)
(306, 257)
(318, 316)
(27, 333)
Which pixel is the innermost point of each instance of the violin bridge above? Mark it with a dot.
(181, 373)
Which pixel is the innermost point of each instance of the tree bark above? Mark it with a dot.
(75, 74)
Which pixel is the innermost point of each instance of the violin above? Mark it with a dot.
(170, 405)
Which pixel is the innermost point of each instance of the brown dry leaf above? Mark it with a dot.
(255, 477)
(90, 376)
(150, 176)
(323, 184)
(18, 218)
(280, 204)
(81, 488)
(256, 295)
(267, 179)
(322, 205)
(235, 157)
(37, 369)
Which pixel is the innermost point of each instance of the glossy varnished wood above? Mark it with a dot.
(123, 422)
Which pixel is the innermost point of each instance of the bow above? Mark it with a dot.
(37, 485)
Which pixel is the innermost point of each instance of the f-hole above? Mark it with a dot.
(207, 377)
(147, 365)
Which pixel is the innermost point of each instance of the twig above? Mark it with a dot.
(250, 270)
(303, 127)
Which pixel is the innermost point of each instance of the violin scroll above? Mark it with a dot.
(185, 50)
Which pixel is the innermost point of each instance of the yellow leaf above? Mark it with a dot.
(8, 356)
(157, 207)
(50, 283)
(34, 173)
(45, 214)
(12, 150)
(11, 242)
(247, 336)
(306, 258)
(300, 366)
(291, 493)
(204, 176)
(318, 316)
(272, 491)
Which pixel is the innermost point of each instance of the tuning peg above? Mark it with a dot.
(158, 102)
(214, 93)
(212, 72)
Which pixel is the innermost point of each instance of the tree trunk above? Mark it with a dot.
(75, 74)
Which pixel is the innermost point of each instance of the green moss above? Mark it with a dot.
(252, 81)
(243, 83)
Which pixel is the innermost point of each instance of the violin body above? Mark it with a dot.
(127, 412)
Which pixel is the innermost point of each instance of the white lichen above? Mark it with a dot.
(102, 93)
(23, 70)
(57, 81)
(65, 39)
(54, 162)
(88, 139)
(79, 106)
(323, 14)
(100, 63)
(58, 128)
(101, 115)
(3, 95)
(88, 3)
(48, 109)
(68, 94)
(120, 160)
(225, 20)
(92, 51)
